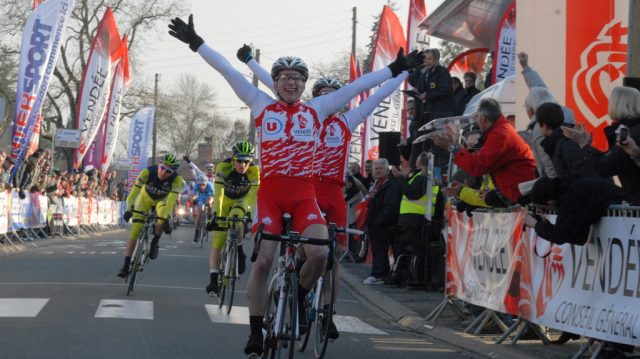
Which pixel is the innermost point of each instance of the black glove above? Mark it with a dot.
(211, 225)
(127, 216)
(185, 33)
(186, 158)
(398, 65)
(414, 59)
(245, 54)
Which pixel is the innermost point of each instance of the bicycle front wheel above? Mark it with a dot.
(222, 280)
(136, 263)
(230, 276)
(290, 315)
(324, 314)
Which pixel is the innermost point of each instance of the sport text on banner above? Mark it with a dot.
(140, 132)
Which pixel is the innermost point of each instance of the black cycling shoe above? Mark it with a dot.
(302, 317)
(213, 289)
(124, 271)
(242, 258)
(153, 250)
(332, 330)
(255, 345)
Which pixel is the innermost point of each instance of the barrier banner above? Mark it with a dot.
(591, 290)
(93, 213)
(83, 210)
(17, 208)
(70, 211)
(5, 206)
(482, 259)
(36, 214)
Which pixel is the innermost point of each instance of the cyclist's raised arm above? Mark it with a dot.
(142, 179)
(331, 103)
(250, 95)
(357, 115)
(195, 171)
(245, 54)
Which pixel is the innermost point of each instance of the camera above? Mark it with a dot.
(623, 131)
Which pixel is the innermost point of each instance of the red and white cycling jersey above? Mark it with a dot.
(332, 149)
(287, 134)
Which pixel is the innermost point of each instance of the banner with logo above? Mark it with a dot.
(119, 85)
(591, 290)
(70, 212)
(106, 50)
(417, 38)
(388, 114)
(596, 60)
(140, 132)
(41, 40)
(504, 59)
(483, 263)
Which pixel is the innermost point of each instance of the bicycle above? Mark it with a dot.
(140, 255)
(320, 312)
(229, 261)
(203, 234)
(281, 314)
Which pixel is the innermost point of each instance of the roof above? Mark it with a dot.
(472, 23)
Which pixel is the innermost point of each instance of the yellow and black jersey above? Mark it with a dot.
(234, 184)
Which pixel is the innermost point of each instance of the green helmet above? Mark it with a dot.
(170, 160)
(243, 150)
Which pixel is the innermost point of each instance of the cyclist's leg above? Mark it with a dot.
(160, 227)
(217, 243)
(198, 219)
(270, 216)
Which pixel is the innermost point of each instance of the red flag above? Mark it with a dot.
(106, 50)
(471, 60)
(417, 37)
(388, 114)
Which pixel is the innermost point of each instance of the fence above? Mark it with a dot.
(592, 290)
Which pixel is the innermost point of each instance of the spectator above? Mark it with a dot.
(631, 148)
(624, 109)
(457, 92)
(538, 94)
(433, 85)
(503, 155)
(5, 174)
(384, 206)
(121, 190)
(367, 178)
(566, 155)
(469, 91)
(580, 202)
(354, 169)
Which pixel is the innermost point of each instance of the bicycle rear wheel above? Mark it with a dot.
(324, 315)
(311, 316)
(230, 276)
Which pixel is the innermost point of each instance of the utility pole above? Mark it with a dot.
(155, 126)
(633, 51)
(252, 123)
(354, 22)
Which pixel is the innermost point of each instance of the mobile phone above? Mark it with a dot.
(624, 133)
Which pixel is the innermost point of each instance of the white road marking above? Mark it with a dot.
(126, 309)
(238, 315)
(21, 307)
(351, 324)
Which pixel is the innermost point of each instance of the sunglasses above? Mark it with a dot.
(167, 169)
(246, 162)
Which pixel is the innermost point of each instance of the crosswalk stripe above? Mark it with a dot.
(127, 309)
(21, 307)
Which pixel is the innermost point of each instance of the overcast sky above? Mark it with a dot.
(314, 30)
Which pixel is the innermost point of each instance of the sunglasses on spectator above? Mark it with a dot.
(167, 169)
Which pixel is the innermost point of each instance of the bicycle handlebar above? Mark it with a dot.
(291, 237)
(344, 230)
(233, 219)
(148, 215)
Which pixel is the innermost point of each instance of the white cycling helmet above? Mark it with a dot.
(289, 63)
(325, 82)
(209, 167)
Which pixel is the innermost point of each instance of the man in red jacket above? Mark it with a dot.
(504, 155)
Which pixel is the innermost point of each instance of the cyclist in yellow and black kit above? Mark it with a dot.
(236, 185)
(156, 186)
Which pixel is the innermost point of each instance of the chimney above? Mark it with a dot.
(205, 150)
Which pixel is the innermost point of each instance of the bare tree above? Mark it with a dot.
(187, 115)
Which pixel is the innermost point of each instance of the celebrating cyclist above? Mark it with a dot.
(287, 130)
(332, 146)
(156, 186)
(196, 172)
(237, 180)
(204, 194)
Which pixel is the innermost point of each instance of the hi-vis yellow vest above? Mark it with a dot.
(419, 205)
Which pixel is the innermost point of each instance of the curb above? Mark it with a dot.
(408, 319)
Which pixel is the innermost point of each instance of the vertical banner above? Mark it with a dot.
(93, 156)
(119, 86)
(355, 146)
(417, 38)
(41, 40)
(388, 114)
(106, 49)
(140, 132)
(596, 60)
(504, 61)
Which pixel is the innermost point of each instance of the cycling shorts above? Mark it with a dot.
(230, 207)
(144, 203)
(280, 195)
(330, 197)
